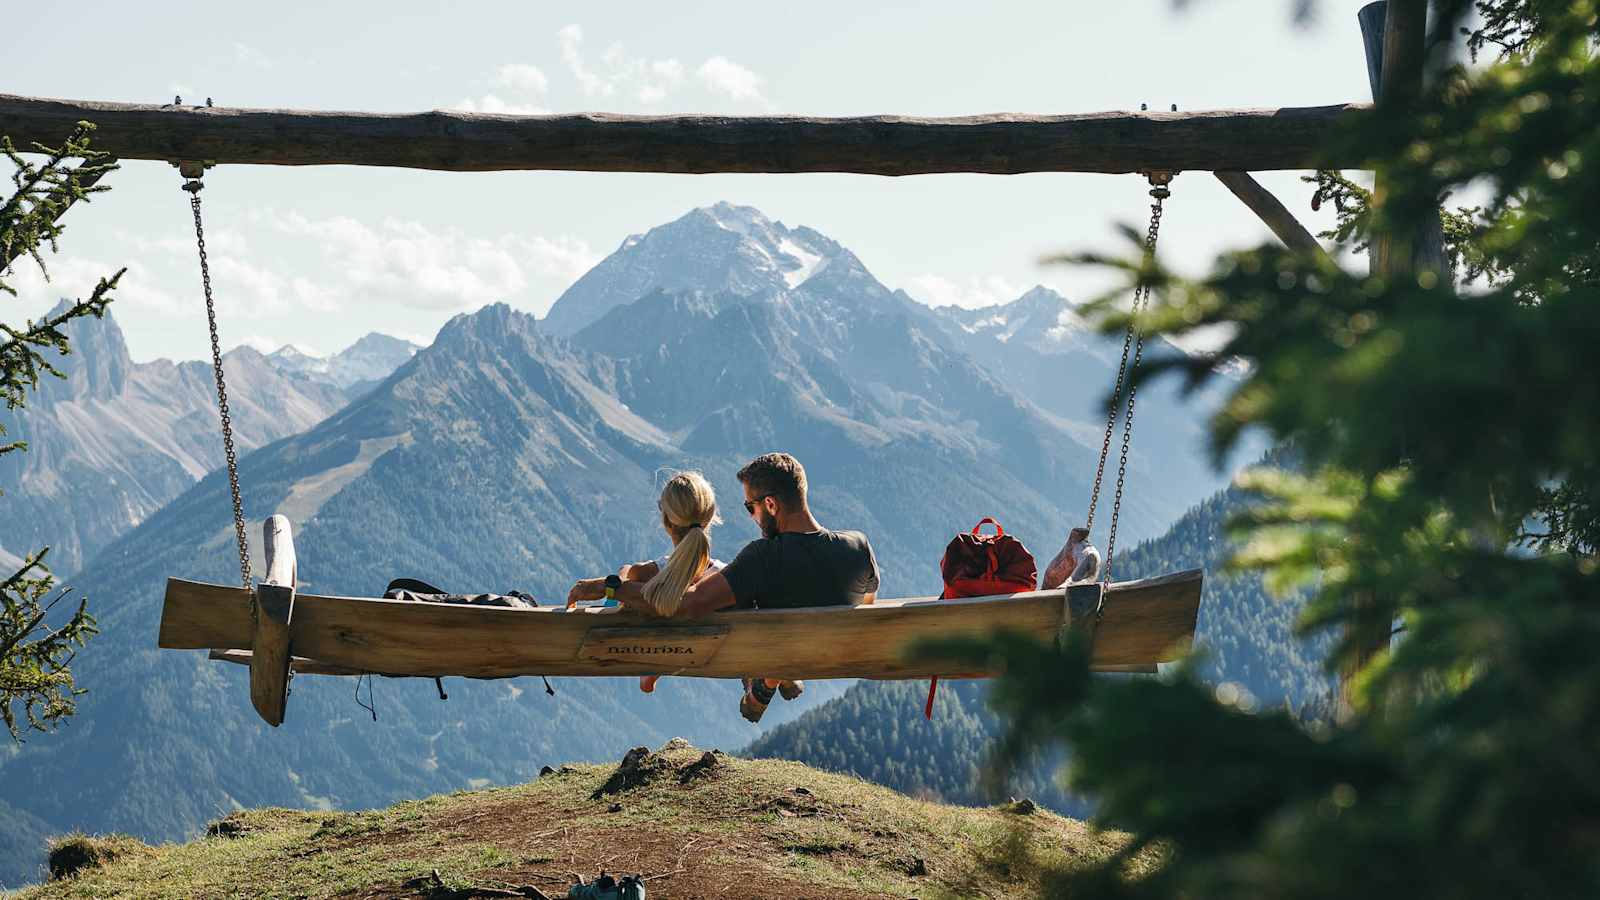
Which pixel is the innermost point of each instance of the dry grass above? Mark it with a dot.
(741, 828)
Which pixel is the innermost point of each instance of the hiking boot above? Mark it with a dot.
(791, 690)
(753, 705)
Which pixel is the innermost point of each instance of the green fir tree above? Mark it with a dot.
(38, 640)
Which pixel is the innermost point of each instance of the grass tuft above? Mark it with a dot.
(73, 853)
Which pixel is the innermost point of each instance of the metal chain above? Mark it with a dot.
(1111, 417)
(193, 186)
(1141, 297)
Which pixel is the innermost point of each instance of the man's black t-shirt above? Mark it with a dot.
(810, 568)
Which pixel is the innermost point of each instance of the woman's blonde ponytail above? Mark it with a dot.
(688, 509)
(665, 591)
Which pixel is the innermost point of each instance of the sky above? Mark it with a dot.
(319, 256)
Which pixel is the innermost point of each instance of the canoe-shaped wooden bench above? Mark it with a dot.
(1133, 626)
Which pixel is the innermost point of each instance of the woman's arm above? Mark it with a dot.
(639, 571)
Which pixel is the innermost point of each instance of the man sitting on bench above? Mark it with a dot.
(796, 562)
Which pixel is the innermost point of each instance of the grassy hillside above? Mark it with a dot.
(696, 824)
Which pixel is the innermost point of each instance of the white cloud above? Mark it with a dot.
(526, 85)
(246, 290)
(665, 76)
(571, 40)
(523, 77)
(723, 76)
(407, 263)
(975, 292)
(490, 103)
(76, 276)
(646, 80)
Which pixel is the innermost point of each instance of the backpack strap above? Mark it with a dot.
(989, 520)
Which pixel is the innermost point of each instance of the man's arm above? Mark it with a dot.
(708, 595)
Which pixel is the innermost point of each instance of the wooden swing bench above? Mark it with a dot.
(1133, 625)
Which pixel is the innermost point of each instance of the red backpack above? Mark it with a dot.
(981, 565)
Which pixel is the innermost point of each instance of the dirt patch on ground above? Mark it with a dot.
(700, 867)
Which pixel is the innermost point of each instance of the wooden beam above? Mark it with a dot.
(448, 140)
(1273, 213)
(269, 661)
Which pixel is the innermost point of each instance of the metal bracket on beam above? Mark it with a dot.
(192, 169)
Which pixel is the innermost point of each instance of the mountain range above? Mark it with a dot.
(115, 440)
(515, 453)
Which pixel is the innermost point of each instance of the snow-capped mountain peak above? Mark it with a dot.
(719, 248)
(1042, 318)
(368, 359)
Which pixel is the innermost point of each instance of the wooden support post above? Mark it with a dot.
(1276, 216)
(1372, 18)
(269, 657)
(1395, 66)
(1083, 608)
(1399, 75)
(1252, 140)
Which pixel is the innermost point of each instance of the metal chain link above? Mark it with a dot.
(1134, 340)
(193, 186)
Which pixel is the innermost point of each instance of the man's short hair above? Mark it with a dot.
(778, 474)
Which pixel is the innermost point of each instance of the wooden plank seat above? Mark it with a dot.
(1143, 622)
(1135, 625)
